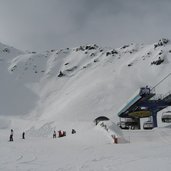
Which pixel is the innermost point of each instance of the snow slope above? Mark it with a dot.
(69, 88)
(90, 150)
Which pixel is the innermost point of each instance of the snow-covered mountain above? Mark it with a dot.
(81, 83)
(69, 88)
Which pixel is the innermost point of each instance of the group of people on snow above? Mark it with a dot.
(62, 133)
(11, 138)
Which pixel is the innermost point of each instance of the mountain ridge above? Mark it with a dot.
(81, 83)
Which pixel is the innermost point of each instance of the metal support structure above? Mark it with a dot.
(138, 123)
(154, 116)
(142, 105)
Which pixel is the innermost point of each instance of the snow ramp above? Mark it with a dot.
(112, 130)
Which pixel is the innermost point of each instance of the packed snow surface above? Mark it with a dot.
(86, 150)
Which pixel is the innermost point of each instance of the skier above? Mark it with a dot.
(23, 135)
(54, 134)
(11, 135)
(59, 133)
(73, 131)
(63, 133)
(115, 139)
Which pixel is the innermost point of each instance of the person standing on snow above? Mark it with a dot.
(23, 135)
(11, 135)
(73, 131)
(54, 134)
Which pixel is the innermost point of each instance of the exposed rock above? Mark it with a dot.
(111, 52)
(157, 62)
(125, 46)
(161, 42)
(92, 54)
(130, 64)
(72, 69)
(61, 74)
(6, 50)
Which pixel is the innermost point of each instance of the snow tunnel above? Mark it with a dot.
(100, 118)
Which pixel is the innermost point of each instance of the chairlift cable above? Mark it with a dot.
(161, 81)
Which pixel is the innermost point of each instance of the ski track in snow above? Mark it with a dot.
(29, 161)
(19, 158)
(19, 161)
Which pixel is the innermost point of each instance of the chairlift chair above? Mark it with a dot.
(129, 123)
(166, 117)
(122, 125)
(148, 125)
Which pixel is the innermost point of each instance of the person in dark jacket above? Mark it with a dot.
(54, 134)
(73, 131)
(23, 135)
(11, 135)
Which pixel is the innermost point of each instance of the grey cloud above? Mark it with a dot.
(45, 24)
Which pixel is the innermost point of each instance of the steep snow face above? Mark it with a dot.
(14, 97)
(82, 83)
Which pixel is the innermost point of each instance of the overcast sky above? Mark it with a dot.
(47, 24)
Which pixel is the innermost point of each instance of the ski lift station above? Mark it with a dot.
(144, 104)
